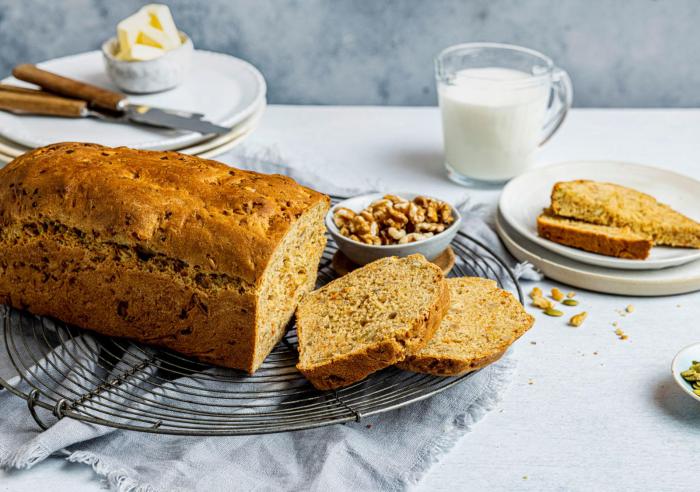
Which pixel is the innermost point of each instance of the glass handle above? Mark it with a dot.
(562, 96)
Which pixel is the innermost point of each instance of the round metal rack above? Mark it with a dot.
(114, 382)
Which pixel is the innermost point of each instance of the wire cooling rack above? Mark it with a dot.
(118, 383)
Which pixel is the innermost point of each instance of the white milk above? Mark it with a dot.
(492, 121)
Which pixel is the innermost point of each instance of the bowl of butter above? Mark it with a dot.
(148, 54)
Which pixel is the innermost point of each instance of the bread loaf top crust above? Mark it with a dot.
(199, 211)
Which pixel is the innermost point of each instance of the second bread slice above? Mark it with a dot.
(482, 322)
(621, 242)
(369, 319)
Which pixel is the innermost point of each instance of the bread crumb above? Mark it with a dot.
(595, 353)
(571, 295)
(535, 292)
(369, 426)
(621, 334)
(557, 295)
(533, 343)
(615, 323)
(530, 381)
(629, 308)
(524, 477)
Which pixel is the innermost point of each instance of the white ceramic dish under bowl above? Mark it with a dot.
(524, 197)
(148, 76)
(362, 253)
(681, 362)
(225, 89)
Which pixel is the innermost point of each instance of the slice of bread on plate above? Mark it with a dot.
(614, 205)
(482, 322)
(621, 242)
(369, 319)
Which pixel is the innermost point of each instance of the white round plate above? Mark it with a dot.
(681, 362)
(524, 197)
(660, 282)
(225, 89)
(207, 149)
(10, 149)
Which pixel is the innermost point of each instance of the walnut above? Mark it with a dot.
(429, 227)
(395, 233)
(342, 217)
(414, 236)
(394, 220)
(416, 213)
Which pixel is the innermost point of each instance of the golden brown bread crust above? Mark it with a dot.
(200, 211)
(596, 240)
(347, 369)
(160, 247)
(446, 366)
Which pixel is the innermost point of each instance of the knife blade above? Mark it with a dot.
(104, 99)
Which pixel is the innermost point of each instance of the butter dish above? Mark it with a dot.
(147, 76)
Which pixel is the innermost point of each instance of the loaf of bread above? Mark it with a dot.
(159, 247)
(482, 322)
(621, 242)
(613, 205)
(369, 319)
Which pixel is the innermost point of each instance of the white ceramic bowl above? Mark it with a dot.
(681, 362)
(362, 253)
(143, 77)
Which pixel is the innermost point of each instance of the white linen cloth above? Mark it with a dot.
(389, 451)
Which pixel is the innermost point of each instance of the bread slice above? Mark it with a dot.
(605, 240)
(482, 322)
(614, 205)
(369, 319)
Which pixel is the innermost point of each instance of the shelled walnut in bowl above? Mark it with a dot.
(373, 226)
(394, 220)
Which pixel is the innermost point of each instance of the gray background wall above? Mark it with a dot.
(620, 53)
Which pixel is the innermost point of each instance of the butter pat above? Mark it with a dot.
(147, 34)
(161, 24)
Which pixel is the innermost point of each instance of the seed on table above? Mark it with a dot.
(553, 312)
(578, 319)
(557, 295)
(629, 308)
(571, 295)
(535, 292)
(570, 302)
(542, 303)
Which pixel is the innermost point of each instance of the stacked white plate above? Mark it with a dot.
(667, 270)
(226, 90)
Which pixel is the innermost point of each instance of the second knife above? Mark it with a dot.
(100, 98)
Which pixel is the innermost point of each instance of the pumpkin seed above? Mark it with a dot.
(553, 312)
(570, 302)
(557, 295)
(577, 320)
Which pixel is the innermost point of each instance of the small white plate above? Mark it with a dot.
(225, 89)
(524, 198)
(660, 282)
(681, 362)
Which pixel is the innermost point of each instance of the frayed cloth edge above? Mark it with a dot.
(25, 457)
(117, 479)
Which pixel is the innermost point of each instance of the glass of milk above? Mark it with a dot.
(499, 103)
